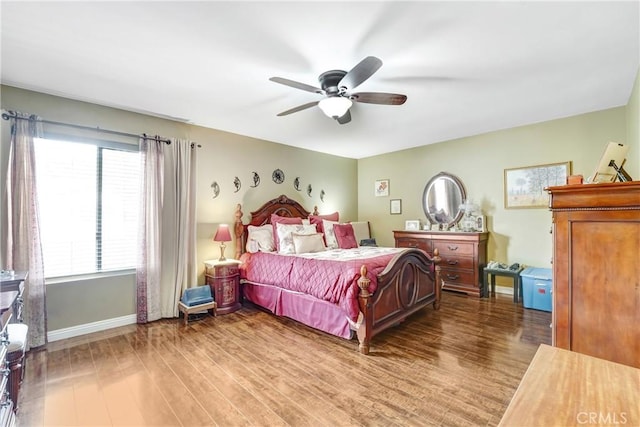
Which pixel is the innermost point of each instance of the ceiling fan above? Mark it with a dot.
(337, 85)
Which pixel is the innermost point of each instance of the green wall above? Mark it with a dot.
(221, 158)
(517, 235)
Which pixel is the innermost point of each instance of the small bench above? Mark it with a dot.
(186, 309)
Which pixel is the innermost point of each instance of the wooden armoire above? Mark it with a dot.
(596, 270)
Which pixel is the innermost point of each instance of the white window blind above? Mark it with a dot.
(88, 201)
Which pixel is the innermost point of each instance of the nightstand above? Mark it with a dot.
(224, 279)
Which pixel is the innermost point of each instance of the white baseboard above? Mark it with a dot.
(504, 290)
(88, 328)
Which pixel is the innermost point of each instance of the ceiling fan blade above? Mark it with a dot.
(299, 108)
(379, 98)
(296, 85)
(360, 72)
(346, 118)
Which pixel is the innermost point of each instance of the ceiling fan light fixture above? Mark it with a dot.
(335, 106)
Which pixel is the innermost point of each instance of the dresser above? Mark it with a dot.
(464, 255)
(15, 283)
(224, 279)
(7, 300)
(596, 270)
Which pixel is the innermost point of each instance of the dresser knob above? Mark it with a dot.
(452, 248)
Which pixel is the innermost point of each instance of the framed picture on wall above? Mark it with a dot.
(395, 206)
(524, 186)
(382, 188)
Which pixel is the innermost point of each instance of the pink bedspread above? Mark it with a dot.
(330, 275)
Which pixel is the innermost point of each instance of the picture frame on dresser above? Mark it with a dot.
(412, 225)
(481, 223)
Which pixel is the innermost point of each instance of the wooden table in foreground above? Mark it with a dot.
(565, 388)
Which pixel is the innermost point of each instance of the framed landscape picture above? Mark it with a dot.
(525, 187)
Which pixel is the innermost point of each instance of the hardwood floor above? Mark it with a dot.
(457, 366)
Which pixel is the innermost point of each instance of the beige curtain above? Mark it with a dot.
(24, 250)
(178, 224)
(168, 228)
(149, 235)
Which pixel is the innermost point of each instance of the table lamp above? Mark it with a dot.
(222, 235)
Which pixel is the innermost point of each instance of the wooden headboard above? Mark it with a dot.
(281, 205)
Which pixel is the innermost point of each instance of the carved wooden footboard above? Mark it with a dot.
(408, 284)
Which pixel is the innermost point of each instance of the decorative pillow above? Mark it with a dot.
(285, 237)
(361, 230)
(317, 220)
(277, 219)
(305, 243)
(329, 235)
(260, 239)
(345, 236)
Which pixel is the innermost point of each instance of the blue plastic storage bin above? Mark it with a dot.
(536, 288)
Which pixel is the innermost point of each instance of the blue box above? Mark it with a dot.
(536, 288)
(197, 296)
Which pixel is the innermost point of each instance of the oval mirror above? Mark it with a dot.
(441, 200)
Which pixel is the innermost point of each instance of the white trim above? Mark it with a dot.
(507, 290)
(88, 328)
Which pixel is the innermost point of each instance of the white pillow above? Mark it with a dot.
(285, 237)
(305, 243)
(260, 239)
(329, 235)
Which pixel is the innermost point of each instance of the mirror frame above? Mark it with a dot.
(458, 183)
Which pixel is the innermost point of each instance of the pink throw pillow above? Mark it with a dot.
(345, 236)
(282, 220)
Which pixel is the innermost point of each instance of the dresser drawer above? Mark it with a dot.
(461, 277)
(452, 248)
(222, 270)
(456, 262)
(408, 242)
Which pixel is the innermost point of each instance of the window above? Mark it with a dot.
(88, 202)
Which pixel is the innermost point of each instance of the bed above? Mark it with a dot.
(359, 290)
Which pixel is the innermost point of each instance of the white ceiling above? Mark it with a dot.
(466, 67)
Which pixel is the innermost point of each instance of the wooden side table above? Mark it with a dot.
(491, 273)
(224, 279)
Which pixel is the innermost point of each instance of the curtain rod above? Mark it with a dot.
(12, 115)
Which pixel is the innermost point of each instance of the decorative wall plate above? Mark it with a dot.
(296, 183)
(256, 180)
(237, 184)
(216, 189)
(278, 176)
(309, 190)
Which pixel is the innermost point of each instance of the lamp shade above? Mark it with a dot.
(335, 106)
(222, 234)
